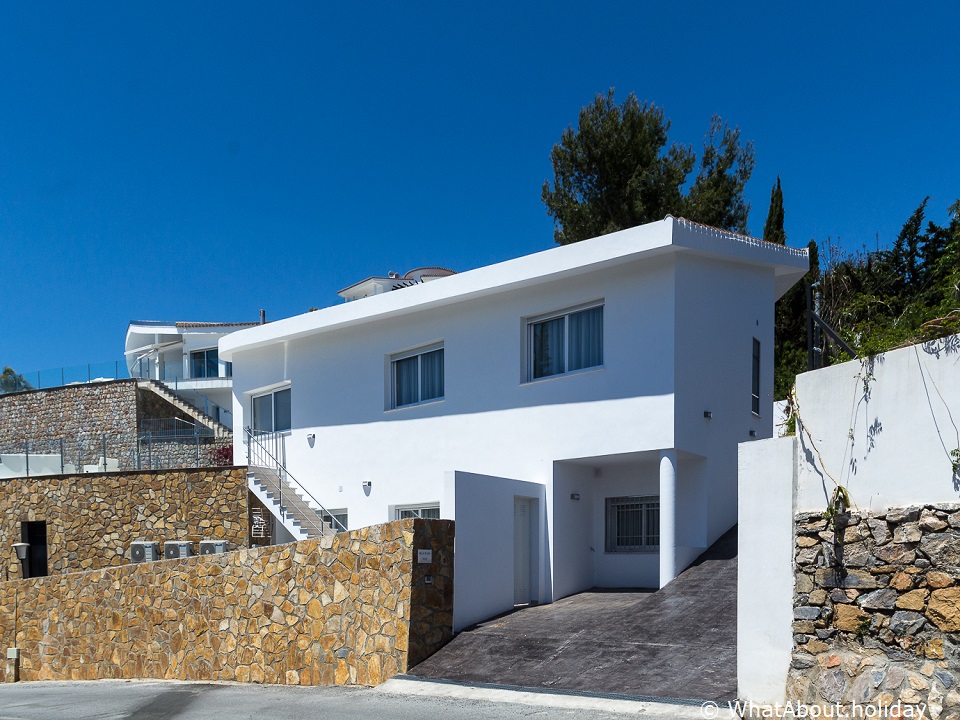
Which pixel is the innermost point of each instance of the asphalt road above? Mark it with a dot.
(398, 700)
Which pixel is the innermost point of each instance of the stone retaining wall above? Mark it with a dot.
(187, 452)
(877, 610)
(355, 608)
(87, 410)
(91, 518)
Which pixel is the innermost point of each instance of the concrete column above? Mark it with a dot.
(668, 516)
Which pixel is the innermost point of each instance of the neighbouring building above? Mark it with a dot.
(183, 356)
(576, 411)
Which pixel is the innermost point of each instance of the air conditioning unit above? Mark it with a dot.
(174, 549)
(144, 551)
(213, 547)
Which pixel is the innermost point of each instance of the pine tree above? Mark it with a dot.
(773, 230)
(618, 169)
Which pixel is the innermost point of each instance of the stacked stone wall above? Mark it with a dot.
(186, 452)
(877, 610)
(355, 608)
(91, 518)
(74, 413)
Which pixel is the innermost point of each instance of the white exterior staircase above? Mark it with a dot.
(219, 429)
(286, 499)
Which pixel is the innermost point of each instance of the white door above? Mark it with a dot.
(521, 551)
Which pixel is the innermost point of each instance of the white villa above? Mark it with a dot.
(576, 411)
(184, 356)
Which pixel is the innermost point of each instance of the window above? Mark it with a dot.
(203, 364)
(633, 524)
(425, 512)
(271, 412)
(565, 343)
(336, 519)
(756, 377)
(417, 376)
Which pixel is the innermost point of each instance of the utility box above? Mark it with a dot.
(144, 551)
(176, 549)
(213, 547)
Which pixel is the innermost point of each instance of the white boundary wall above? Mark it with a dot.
(884, 428)
(765, 569)
(484, 557)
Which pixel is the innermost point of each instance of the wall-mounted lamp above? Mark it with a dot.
(708, 415)
(753, 433)
(21, 549)
(311, 437)
(367, 484)
(574, 496)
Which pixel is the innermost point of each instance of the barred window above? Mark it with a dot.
(633, 524)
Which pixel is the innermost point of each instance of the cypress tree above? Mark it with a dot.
(773, 230)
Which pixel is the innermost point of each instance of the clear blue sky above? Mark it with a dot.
(200, 161)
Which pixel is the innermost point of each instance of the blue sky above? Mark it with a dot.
(200, 161)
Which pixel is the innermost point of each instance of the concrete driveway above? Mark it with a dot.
(679, 642)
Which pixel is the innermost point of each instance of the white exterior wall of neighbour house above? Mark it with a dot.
(595, 434)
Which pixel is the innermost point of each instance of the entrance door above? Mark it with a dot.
(35, 533)
(521, 551)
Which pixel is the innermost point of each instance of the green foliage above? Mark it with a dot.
(716, 197)
(773, 229)
(11, 381)
(616, 170)
(905, 294)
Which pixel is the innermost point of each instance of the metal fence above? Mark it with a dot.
(12, 381)
(89, 453)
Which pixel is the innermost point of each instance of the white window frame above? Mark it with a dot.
(254, 396)
(612, 505)
(417, 510)
(529, 324)
(341, 515)
(206, 350)
(406, 355)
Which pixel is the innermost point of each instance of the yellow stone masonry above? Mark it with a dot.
(91, 518)
(352, 609)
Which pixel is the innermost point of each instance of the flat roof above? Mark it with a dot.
(649, 240)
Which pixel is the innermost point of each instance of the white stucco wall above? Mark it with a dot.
(489, 422)
(721, 307)
(484, 544)
(884, 428)
(765, 569)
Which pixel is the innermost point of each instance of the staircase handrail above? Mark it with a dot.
(284, 474)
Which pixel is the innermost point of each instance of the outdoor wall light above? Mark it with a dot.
(753, 433)
(21, 549)
(311, 437)
(367, 484)
(708, 415)
(574, 496)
